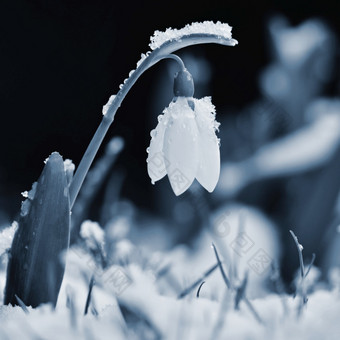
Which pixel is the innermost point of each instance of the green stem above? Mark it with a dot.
(158, 54)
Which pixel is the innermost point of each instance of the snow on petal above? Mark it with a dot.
(180, 146)
(155, 160)
(208, 171)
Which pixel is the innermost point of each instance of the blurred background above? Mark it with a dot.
(276, 96)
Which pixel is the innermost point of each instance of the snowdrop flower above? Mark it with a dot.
(184, 144)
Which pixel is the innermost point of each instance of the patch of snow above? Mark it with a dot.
(108, 104)
(68, 165)
(92, 233)
(25, 194)
(6, 237)
(206, 27)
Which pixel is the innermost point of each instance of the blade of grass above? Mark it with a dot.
(227, 282)
(186, 291)
(310, 265)
(253, 310)
(88, 299)
(21, 304)
(199, 289)
(299, 248)
(301, 288)
(224, 276)
(240, 292)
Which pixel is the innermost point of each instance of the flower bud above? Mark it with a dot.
(183, 84)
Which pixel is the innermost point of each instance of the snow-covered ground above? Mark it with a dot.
(144, 294)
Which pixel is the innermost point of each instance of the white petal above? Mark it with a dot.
(155, 160)
(209, 163)
(180, 146)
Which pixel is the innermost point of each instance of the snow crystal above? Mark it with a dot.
(207, 27)
(25, 194)
(108, 104)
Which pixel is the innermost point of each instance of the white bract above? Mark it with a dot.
(184, 145)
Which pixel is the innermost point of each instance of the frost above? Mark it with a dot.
(108, 104)
(6, 237)
(207, 27)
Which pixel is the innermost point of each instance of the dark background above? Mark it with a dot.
(61, 60)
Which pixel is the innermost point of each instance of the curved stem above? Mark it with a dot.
(102, 129)
(176, 58)
(162, 52)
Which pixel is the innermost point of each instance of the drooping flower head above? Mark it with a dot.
(184, 144)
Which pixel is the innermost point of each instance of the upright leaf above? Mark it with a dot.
(35, 270)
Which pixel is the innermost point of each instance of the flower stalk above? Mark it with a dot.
(198, 33)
